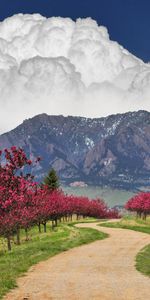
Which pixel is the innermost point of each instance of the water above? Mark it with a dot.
(111, 196)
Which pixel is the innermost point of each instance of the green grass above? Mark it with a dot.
(89, 220)
(143, 261)
(130, 222)
(40, 247)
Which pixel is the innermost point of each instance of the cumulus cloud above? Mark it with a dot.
(59, 66)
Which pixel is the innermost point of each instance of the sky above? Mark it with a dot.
(128, 21)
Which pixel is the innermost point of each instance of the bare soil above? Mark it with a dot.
(102, 270)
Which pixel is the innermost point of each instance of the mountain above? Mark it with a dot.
(114, 150)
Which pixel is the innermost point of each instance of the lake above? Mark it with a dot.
(111, 196)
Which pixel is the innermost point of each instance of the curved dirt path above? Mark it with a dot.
(102, 270)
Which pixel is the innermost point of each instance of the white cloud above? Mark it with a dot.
(59, 66)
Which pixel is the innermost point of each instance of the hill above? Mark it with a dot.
(114, 150)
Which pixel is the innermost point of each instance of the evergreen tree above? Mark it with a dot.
(51, 180)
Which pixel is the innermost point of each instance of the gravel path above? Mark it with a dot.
(102, 270)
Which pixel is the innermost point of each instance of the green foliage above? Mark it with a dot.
(51, 180)
(40, 247)
(143, 260)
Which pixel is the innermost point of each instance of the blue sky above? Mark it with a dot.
(128, 21)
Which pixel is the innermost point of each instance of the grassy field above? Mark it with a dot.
(143, 261)
(129, 222)
(40, 247)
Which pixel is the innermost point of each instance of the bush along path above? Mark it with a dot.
(102, 270)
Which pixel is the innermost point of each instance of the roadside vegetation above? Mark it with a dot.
(130, 222)
(143, 261)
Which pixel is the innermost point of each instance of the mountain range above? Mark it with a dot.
(113, 151)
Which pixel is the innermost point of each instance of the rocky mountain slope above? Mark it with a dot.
(114, 150)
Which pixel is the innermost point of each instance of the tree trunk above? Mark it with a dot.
(39, 226)
(52, 225)
(144, 216)
(56, 222)
(8, 243)
(18, 236)
(44, 224)
(26, 232)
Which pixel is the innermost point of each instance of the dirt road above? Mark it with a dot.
(102, 270)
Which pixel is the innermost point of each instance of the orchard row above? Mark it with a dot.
(140, 204)
(24, 203)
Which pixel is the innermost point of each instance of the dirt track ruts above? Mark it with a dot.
(102, 270)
